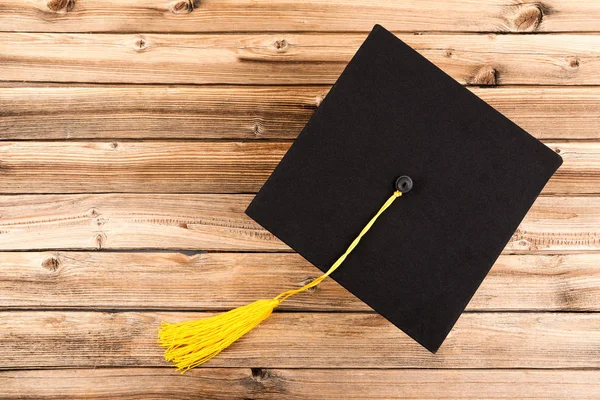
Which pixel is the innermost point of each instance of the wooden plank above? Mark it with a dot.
(218, 222)
(201, 167)
(579, 173)
(219, 281)
(155, 112)
(549, 225)
(46, 339)
(282, 15)
(570, 59)
(248, 112)
(208, 222)
(67, 167)
(274, 384)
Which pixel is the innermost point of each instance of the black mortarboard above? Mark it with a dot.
(391, 113)
(475, 174)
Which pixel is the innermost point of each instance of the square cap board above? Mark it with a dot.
(475, 174)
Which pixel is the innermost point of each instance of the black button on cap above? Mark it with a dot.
(404, 184)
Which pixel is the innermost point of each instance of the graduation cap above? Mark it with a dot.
(394, 126)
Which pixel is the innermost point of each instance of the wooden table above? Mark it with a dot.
(134, 134)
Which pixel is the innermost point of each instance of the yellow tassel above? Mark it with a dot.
(190, 344)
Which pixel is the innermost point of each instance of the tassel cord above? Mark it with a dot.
(287, 294)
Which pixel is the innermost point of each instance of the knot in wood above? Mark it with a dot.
(51, 263)
(257, 128)
(263, 380)
(184, 6)
(100, 239)
(281, 45)
(573, 61)
(308, 280)
(260, 374)
(60, 5)
(485, 76)
(140, 44)
(527, 17)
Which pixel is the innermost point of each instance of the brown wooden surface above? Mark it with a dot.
(288, 58)
(134, 134)
(269, 384)
(220, 281)
(313, 15)
(34, 112)
(126, 221)
(48, 339)
(201, 167)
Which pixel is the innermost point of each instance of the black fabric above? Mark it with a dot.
(475, 173)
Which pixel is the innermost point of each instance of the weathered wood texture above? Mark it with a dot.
(570, 59)
(35, 339)
(284, 15)
(272, 384)
(195, 222)
(248, 112)
(149, 135)
(67, 167)
(199, 167)
(218, 222)
(218, 281)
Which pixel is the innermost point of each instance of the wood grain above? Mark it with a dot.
(155, 112)
(218, 222)
(288, 58)
(142, 129)
(248, 112)
(207, 222)
(310, 15)
(34, 339)
(67, 167)
(549, 225)
(219, 281)
(201, 167)
(272, 384)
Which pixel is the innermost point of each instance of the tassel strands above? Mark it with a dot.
(192, 343)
